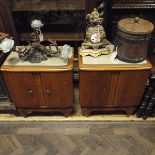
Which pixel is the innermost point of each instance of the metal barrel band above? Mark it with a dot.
(139, 41)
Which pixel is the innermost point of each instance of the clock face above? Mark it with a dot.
(95, 38)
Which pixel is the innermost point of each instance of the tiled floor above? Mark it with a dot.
(77, 138)
(76, 135)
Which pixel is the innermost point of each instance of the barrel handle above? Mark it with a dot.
(116, 43)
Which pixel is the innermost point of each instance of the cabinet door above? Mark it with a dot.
(58, 89)
(130, 87)
(23, 89)
(94, 88)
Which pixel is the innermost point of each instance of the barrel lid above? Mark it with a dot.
(135, 26)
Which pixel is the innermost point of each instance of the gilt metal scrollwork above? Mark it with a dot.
(95, 36)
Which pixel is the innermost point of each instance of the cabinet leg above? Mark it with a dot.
(130, 111)
(67, 112)
(23, 113)
(86, 112)
(16, 113)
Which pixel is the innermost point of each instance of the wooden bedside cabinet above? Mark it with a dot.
(112, 87)
(39, 87)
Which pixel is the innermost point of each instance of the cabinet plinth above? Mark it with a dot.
(42, 88)
(112, 87)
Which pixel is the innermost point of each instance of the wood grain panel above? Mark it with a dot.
(49, 5)
(112, 87)
(58, 89)
(130, 88)
(23, 90)
(94, 88)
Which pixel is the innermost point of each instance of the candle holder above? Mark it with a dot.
(39, 49)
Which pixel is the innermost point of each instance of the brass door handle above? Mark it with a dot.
(48, 92)
(30, 92)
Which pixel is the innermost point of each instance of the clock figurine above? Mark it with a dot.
(95, 38)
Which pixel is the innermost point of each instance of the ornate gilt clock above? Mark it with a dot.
(95, 36)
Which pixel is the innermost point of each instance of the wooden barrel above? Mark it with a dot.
(133, 35)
